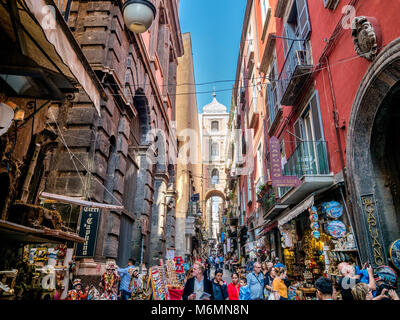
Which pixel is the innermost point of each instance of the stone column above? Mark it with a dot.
(143, 203)
(158, 218)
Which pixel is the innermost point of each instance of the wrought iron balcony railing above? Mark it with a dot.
(296, 69)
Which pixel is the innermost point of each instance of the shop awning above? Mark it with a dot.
(46, 39)
(78, 201)
(300, 208)
(21, 233)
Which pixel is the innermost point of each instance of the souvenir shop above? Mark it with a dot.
(269, 247)
(316, 236)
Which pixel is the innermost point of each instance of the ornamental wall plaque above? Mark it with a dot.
(367, 37)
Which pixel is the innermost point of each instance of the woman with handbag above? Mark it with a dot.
(278, 285)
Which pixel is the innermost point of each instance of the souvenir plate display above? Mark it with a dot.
(333, 209)
(395, 253)
(387, 274)
(336, 229)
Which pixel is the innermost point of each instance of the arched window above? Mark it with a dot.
(214, 125)
(215, 176)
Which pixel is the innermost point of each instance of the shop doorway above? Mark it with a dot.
(385, 157)
(373, 157)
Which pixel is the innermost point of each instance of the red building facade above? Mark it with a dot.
(329, 74)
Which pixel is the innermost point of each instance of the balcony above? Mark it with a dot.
(254, 114)
(296, 70)
(309, 162)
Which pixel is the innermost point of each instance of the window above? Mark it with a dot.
(249, 195)
(260, 166)
(215, 176)
(331, 4)
(264, 10)
(272, 87)
(214, 149)
(214, 126)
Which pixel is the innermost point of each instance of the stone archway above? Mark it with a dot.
(375, 214)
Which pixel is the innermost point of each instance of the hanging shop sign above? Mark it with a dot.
(333, 209)
(395, 253)
(277, 177)
(371, 220)
(89, 225)
(336, 229)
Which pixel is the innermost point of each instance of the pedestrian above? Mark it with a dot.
(216, 262)
(219, 286)
(361, 291)
(268, 279)
(208, 268)
(278, 285)
(244, 290)
(324, 289)
(255, 281)
(221, 262)
(198, 287)
(125, 281)
(234, 287)
(278, 264)
(349, 279)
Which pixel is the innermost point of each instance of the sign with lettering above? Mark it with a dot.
(277, 177)
(373, 229)
(89, 225)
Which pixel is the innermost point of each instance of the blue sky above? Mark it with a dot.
(215, 27)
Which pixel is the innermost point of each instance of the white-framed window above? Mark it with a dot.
(215, 176)
(214, 126)
(214, 149)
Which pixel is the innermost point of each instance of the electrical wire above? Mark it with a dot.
(315, 70)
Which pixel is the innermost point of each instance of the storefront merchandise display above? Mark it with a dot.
(77, 293)
(394, 252)
(109, 282)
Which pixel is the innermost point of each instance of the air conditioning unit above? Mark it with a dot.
(331, 4)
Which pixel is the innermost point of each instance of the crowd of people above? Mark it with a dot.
(269, 281)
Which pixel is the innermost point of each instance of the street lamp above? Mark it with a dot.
(139, 15)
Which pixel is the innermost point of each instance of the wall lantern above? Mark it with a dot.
(139, 15)
(6, 117)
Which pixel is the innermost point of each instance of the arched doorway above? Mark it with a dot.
(373, 157)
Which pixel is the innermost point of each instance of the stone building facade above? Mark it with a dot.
(126, 155)
(189, 180)
(214, 124)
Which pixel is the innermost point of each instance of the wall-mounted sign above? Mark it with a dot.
(336, 229)
(277, 177)
(387, 274)
(89, 225)
(373, 229)
(395, 253)
(333, 209)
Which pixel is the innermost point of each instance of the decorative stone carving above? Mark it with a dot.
(366, 35)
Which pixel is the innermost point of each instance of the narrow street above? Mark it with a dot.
(142, 136)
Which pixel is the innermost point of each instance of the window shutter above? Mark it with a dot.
(297, 132)
(316, 118)
(271, 103)
(303, 19)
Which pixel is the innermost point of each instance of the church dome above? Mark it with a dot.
(214, 106)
